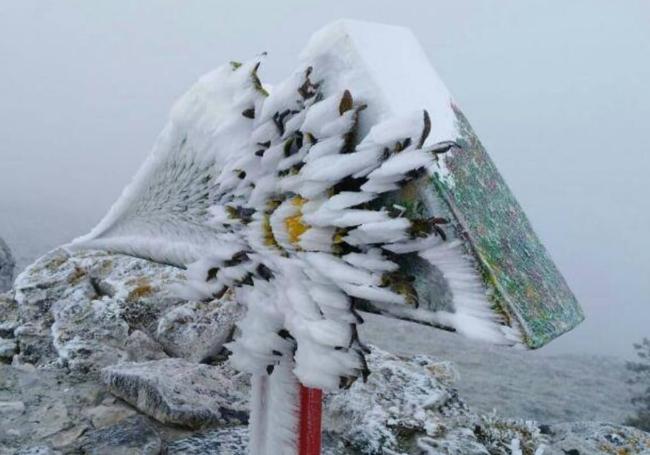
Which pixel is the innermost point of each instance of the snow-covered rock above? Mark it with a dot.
(403, 407)
(178, 392)
(72, 315)
(580, 438)
(91, 310)
(197, 331)
(142, 347)
(517, 384)
(7, 265)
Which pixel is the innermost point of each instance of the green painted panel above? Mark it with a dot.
(525, 282)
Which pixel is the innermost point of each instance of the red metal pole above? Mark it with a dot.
(311, 408)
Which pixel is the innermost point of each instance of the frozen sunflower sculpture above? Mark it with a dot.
(355, 184)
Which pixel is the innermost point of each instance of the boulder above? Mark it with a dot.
(88, 310)
(197, 331)
(179, 392)
(141, 347)
(409, 405)
(89, 333)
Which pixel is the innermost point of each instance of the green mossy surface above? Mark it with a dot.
(514, 264)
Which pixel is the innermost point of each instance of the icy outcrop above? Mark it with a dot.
(7, 264)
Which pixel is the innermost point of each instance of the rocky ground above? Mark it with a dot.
(98, 356)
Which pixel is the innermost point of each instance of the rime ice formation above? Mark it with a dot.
(7, 265)
(337, 190)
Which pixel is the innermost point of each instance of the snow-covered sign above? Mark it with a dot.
(355, 184)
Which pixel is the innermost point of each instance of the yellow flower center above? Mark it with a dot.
(295, 226)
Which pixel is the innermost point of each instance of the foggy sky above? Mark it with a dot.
(557, 91)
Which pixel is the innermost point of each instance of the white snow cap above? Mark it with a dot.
(386, 65)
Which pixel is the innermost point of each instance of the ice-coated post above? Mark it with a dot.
(311, 408)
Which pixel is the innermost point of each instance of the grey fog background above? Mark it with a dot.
(558, 92)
